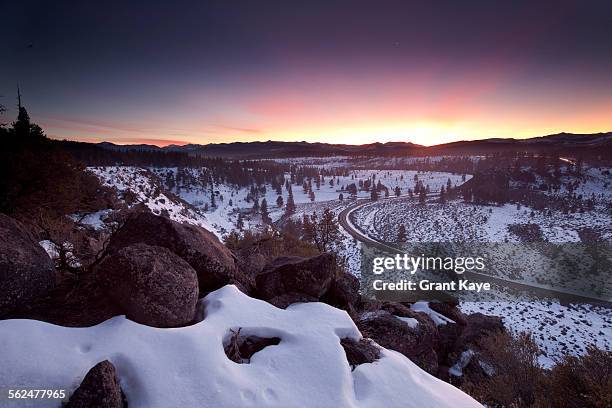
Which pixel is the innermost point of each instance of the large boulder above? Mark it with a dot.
(151, 284)
(418, 343)
(212, 261)
(26, 271)
(309, 276)
(344, 292)
(100, 389)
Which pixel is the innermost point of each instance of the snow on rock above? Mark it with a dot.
(439, 319)
(95, 220)
(50, 248)
(462, 362)
(410, 321)
(187, 367)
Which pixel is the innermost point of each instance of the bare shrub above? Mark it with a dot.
(582, 382)
(513, 376)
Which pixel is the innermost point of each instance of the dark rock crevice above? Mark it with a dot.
(241, 347)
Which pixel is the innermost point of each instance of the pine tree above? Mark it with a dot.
(401, 235)
(398, 192)
(422, 196)
(263, 209)
(341, 197)
(374, 195)
(308, 229)
(279, 201)
(311, 195)
(329, 232)
(290, 207)
(240, 222)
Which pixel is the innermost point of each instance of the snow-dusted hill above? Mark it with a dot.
(187, 367)
(144, 186)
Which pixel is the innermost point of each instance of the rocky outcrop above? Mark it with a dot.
(26, 271)
(212, 261)
(417, 343)
(309, 276)
(359, 352)
(100, 389)
(151, 284)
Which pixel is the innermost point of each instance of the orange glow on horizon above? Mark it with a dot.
(426, 108)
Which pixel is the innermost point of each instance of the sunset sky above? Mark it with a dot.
(330, 71)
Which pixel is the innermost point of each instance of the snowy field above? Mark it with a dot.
(557, 329)
(459, 221)
(187, 367)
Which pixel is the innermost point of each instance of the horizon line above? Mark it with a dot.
(181, 143)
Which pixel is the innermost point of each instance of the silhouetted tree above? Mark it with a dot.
(263, 209)
(290, 207)
(240, 222)
(374, 195)
(401, 234)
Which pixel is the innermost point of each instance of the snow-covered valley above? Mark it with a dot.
(434, 222)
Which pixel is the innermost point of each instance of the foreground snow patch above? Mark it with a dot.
(187, 367)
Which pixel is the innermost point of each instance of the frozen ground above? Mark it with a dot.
(459, 221)
(187, 367)
(557, 329)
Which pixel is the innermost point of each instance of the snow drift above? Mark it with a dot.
(187, 367)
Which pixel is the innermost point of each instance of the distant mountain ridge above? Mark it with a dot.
(270, 149)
